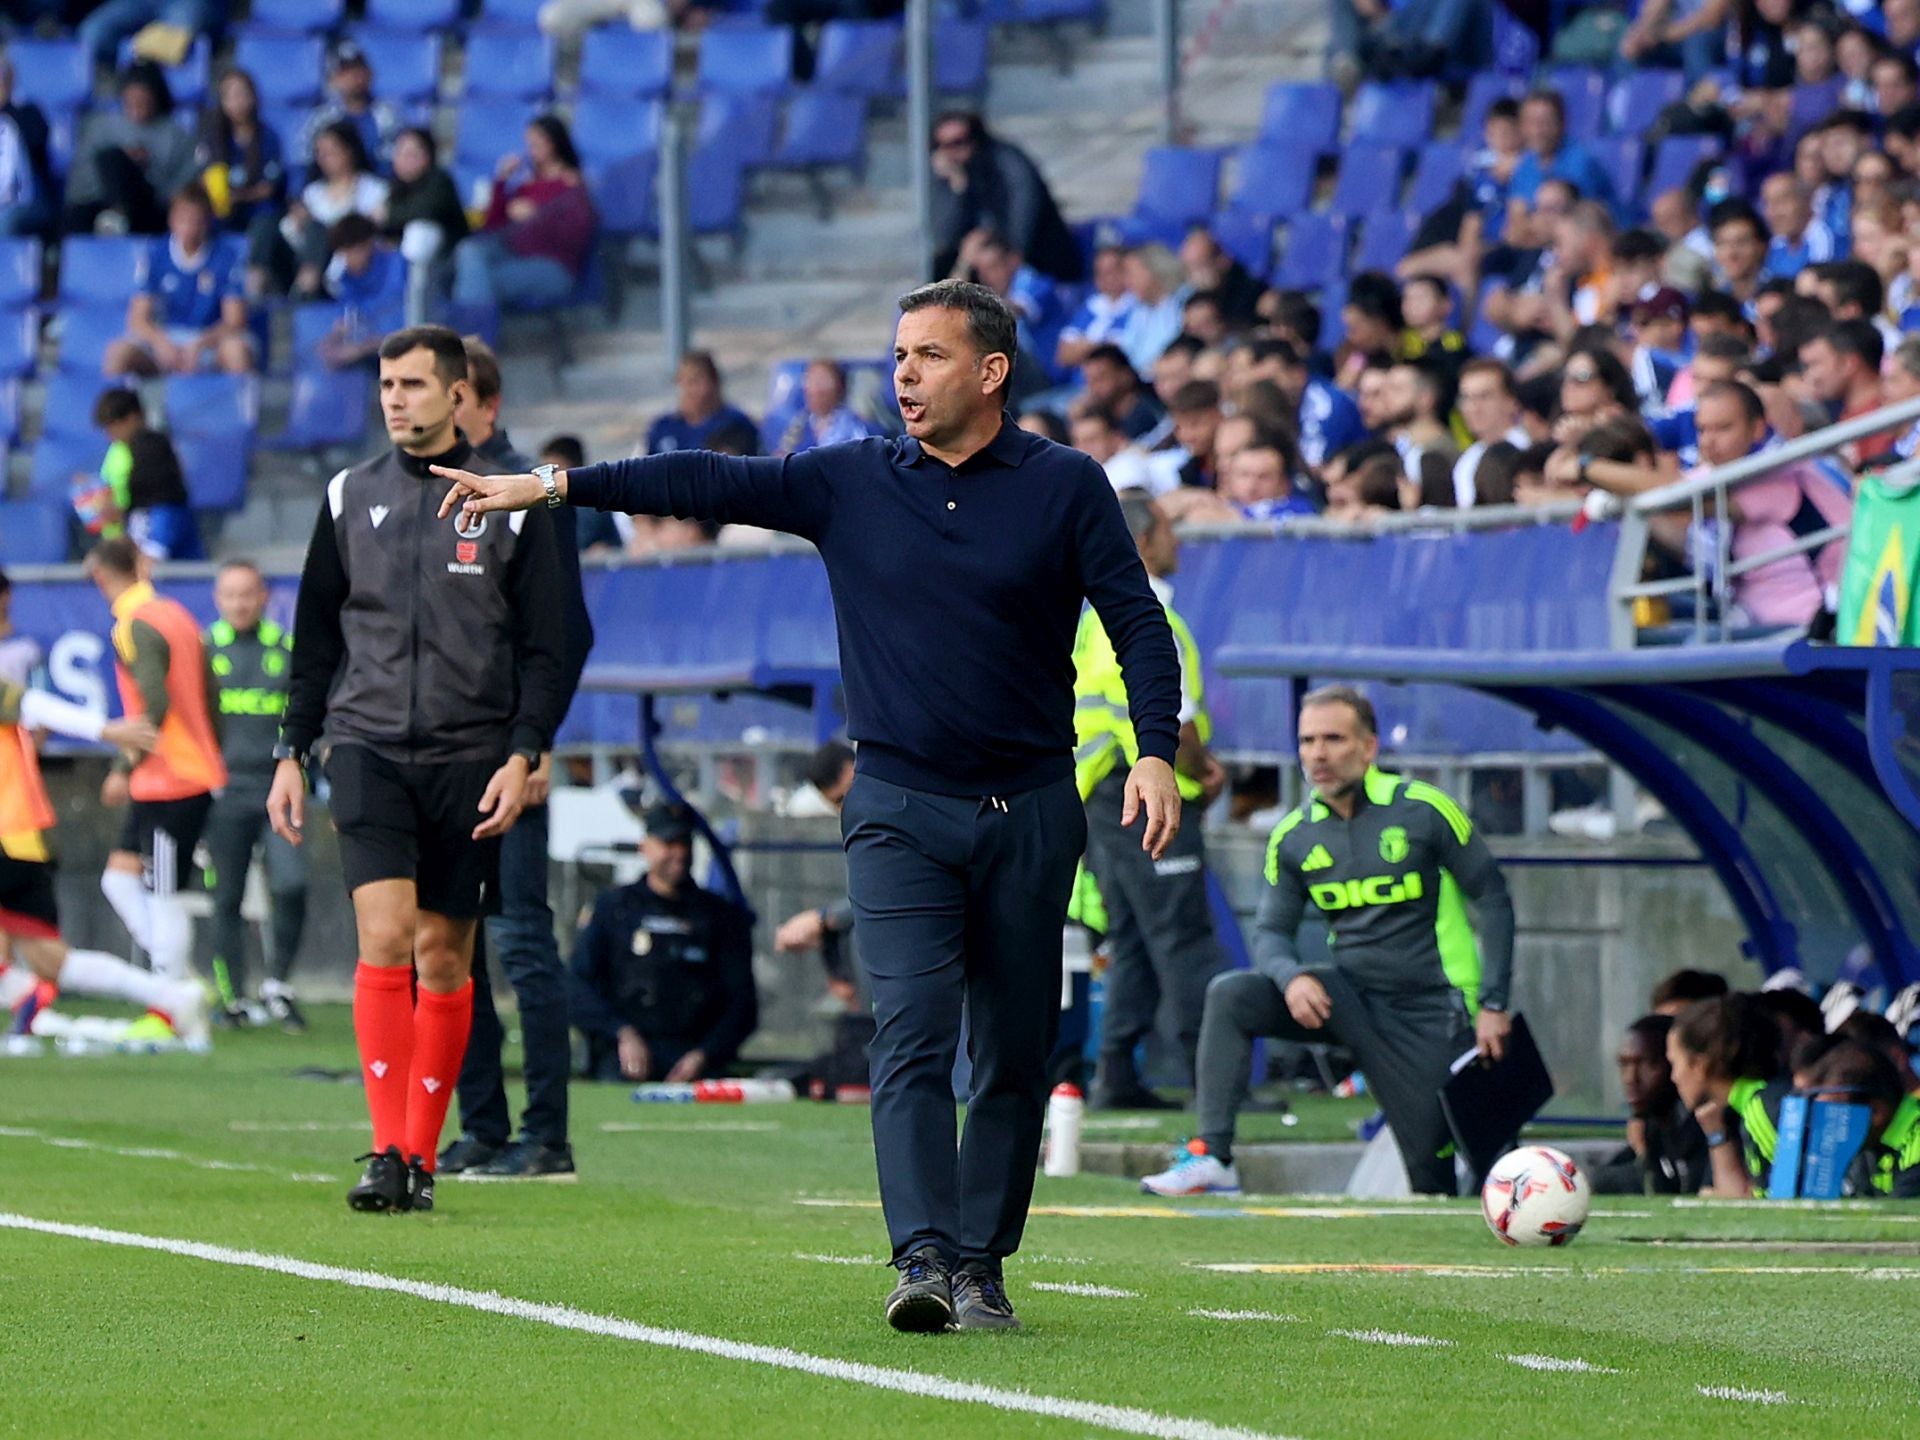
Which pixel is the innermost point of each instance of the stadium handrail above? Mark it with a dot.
(1715, 584)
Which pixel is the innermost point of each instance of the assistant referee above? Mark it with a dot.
(959, 556)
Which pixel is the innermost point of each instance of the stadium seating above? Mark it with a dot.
(297, 17)
(56, 75)
(1272, 181)
(58, 458)
(1676, 158)
(746, 59)
(624, 195)
(1248, 239)
(414, 15)
(327, 408)
(489, 127)
(1304, 116)
(1369, 179)
(1584, 93)
(215, 467)
(1811, 104)
(1436, 171)
(1399, 114)
(1638, 99)
(19, 345)
(716, 189)
(1623, 158)
(1384, 238)
(287, 69)
(1486, 87)
(9, 411)
(215, 406)
(188, 81)
(860, 57)
(69, 403)
(744, 126)
(514, 14)
(1179, 187)
(510, 64)
(406, 64)
(615, 60)
(32, 532)
(99, 268)
(959, 56)
(85, 332)
(821, 129)
(1316, 252)
(608, 127)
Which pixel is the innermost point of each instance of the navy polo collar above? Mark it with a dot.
(1008, 447)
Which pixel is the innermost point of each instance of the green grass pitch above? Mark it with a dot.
(687, 1220)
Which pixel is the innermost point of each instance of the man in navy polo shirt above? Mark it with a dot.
(959, 557)
(192, 311)
(702, 410)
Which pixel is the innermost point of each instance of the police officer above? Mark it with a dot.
(250, 657)
(663, 972)
(1386, 861)
(1159, 927)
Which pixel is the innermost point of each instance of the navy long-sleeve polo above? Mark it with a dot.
(956, 589)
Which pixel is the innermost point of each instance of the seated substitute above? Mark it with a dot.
(1725, 1056)
(1387, 861)
(1665, 1153)
(1888, 1165)
(662, 982)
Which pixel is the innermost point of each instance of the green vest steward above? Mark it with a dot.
(250, 676)
(1102, 720)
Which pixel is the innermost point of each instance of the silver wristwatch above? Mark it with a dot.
(545, 474)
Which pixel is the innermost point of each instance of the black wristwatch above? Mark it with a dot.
(532, 757)
(1580, 472)
(1493, 1009)
(283, 751)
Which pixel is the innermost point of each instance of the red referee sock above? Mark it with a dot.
(440, 1026)
(383, 1029)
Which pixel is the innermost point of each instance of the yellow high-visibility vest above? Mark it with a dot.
(1102, 721)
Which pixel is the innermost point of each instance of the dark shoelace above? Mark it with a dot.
(993, 1292)
(915, 1270)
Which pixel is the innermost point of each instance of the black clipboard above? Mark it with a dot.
(1487, 1103)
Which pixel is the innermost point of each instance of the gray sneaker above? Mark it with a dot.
(467, 1153)
(528, 1160)
(980, 1300)
(922, 1301)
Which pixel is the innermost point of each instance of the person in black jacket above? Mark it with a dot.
(1666, 1151)
(662, 975)
(986, 184)
(522, 933)
(26, 180)
(432, 650)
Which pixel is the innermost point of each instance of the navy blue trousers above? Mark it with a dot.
(522, 934)
(959, 905)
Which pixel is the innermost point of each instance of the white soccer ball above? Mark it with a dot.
(1535, 1196)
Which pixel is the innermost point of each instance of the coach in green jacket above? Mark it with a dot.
(1388, 862)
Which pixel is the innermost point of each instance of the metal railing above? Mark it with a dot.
(1712, 586)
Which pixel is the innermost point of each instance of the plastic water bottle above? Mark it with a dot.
(1065, 1110)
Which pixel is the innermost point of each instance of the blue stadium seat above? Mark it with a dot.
(1248, 238)
(414, 15)
(1813, 103)
(312, 323)
(616, 60)
(746, 59)
(212, 405)
(32, 532)
(1675, 159)
(1384, 239)
(9, 412)
(1483, 335)
(1316, 252)
(1332, 300)
(743, 126)
(405, 64)
(1397, 113)
(69, 403)
(624, 195)
(98, 268)
(1178, 187)
(288, 69)
(297, 17)
(58, 458)
(1297, 113)
(85, 332)
(859, 57)
(215, 467)
(1623, 158)
(821, 128)
(1435, 173)
(1369, 179)
(187, 82)
(515, 64)
(489, 127)
(19, 346)
(513, 14)
(328, 407)
(716, 192)
(19, 270)
(1483, 90)
(1272, 181)
(1584, 92)
(610, 127)
(960, 50)
(1637, 100)
(53, 74)
(63, 127)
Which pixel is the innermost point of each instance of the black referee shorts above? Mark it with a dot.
(163, 833)
(399, 820)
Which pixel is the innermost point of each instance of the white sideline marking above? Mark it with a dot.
(1389, 1337)
(151, 1152)
(699, 1127)
(837, 1259)
(294, 1127)
(1558, 1366)
(1074, 1287)
(1751, 1397)
(1246, 1315)
(1123, 1418)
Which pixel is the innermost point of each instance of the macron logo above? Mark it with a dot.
(433, 1085)
(376, 513)
(379, 1069)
